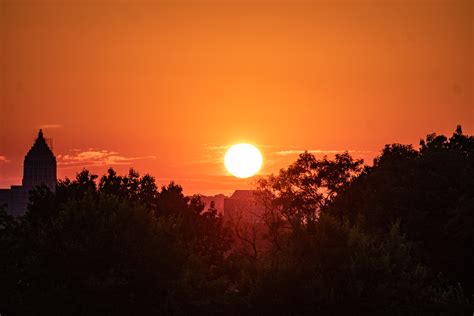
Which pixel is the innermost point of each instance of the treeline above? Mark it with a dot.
(336, 237)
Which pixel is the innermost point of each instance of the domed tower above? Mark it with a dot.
(40, 165)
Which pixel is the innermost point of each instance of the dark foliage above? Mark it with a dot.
(112, 248)
(336, 238)
(430, 191)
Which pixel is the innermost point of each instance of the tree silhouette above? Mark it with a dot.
(428, 191)
(335, 237)
(309, 185)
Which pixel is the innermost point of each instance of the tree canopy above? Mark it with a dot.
(337, 237)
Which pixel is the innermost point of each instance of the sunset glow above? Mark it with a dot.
(236, 157)
(165, 86)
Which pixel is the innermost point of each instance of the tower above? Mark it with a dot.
(40, 165)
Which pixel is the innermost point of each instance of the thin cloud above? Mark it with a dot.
(216, 147)
(215, 153)
(220, 148)
(94, 157)
(321, 151)
(51, 126)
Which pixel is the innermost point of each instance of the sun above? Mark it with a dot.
(243, 160)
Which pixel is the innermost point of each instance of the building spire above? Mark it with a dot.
(39, 166)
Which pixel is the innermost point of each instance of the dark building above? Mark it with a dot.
(243, 205)
(40, 165)
(218, 202)
(39, 168)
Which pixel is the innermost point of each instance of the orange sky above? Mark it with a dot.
(165, 87)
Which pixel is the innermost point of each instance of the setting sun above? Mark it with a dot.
(243, 160)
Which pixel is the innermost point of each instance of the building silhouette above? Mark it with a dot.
(39, 168)
(243, 205)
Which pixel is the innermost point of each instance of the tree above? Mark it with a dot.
(309, 185)
(117, 247)
(429, 192)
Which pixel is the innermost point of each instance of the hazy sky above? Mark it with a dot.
(165, 87)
